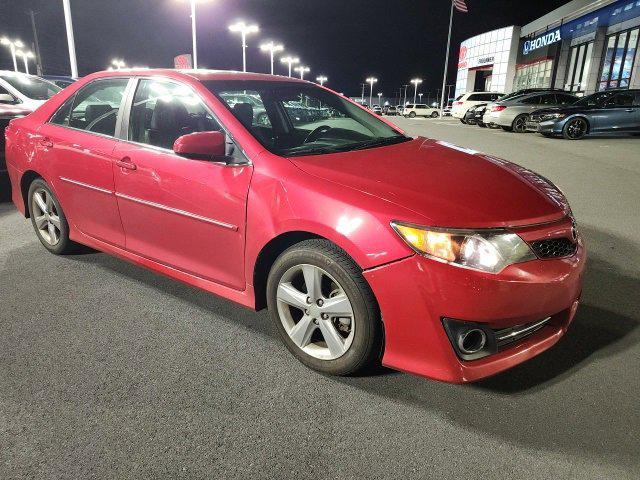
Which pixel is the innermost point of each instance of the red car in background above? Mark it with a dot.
(364, 243)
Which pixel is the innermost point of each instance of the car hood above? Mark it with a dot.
(448, 185)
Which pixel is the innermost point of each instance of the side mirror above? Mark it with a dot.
(202, 146)
(7, 98)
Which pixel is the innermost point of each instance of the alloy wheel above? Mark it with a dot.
(520, 124)
(315, 312)
(46, 217)
(576, 128)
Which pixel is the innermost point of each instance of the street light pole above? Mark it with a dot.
(271, 48)
(321, 79)
(193, 33)
(12, 48)
(244, 30)
(416, 82)
(420, 95)
(302, 69)
(37, 44)
(70, 41)
(371, 81)
(405, 94)
(289, 60)
(380, 99)
(25, 58)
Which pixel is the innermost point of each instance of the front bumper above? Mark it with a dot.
(550, 127)
(416, 293)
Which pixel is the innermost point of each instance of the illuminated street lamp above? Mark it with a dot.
(70, 40)
(12, 45)
(420, 95)
(271, 48)
(25, 57)
(243, 29)
(118, 64)
(321, 79)
(416, 82)
(289, 60)
(193, 31)
(302, 70)
(371, 81)
(380, 99)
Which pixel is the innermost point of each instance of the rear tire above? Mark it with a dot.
(482, 125)
(355, 336)
(412, 115)
(48, 219)
(435, 114)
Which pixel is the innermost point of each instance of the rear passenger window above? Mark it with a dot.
(162, 111)
(94, 108)
(535, 100)
(549, 99)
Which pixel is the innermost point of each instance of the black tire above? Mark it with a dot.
(519, 124)
(482, 125)
(471, 122)
(463, 121)
(366, 346)
(63, 245)
(506, 129)
(435, 114)
(412, 114)
(575, 129)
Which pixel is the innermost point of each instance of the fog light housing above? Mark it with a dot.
(470, 340)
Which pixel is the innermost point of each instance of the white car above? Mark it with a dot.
(467, 100)
(27, 91)
(412, 110)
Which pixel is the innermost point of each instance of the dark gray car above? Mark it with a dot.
(613, 111)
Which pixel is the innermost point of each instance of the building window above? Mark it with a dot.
(618, 60)
(534, 75)
(579, 66)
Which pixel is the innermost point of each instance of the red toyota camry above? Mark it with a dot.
(365, 244)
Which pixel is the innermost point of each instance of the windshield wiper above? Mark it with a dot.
(312, 151)
(380, 143)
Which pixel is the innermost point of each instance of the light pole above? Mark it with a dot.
(321, 79)
(12, 47)
(371, 81)
(420, 95)
(289, 60)
(416, 82)
(271, 48)
(193, 32)
(244, 30)
(380, 99)
(405, 94)
(117, 64)
(70, 41)
(302, 69)
(25, 56)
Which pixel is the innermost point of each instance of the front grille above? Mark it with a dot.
(553, 248)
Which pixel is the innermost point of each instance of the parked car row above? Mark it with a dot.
(553, 112)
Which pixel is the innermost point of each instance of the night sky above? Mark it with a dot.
(346, 40)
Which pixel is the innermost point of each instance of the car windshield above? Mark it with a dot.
(594, 99)
(294, 119)
(32, 87)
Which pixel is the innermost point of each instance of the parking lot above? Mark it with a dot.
(107, 369)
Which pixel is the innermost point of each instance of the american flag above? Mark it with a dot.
(460, 5)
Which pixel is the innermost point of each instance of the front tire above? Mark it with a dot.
(506, 129)
(48, 219)
(575, 129)
(324, 309)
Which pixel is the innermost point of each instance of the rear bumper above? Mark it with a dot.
(416, 293)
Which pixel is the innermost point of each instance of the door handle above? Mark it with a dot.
(46, 142)
(126, 163)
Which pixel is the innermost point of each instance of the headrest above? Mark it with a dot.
(244, 113)
(169, 116)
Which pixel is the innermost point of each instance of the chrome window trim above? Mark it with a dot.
(124, 127)
(87, 185)
(177, 211)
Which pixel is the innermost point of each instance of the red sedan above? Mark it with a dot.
(365, 244)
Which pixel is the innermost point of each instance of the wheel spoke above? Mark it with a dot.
(52, 233)
(55, 219)
(302, 331)
(338, 306)
(42, 205)
(290, 295)
(334, 340)
(49, 202)
(312, 280)
(41, 221)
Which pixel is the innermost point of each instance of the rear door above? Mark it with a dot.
(78, 142)
(184, 213)
(618, 114)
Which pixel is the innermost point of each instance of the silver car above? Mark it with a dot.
(512, 114)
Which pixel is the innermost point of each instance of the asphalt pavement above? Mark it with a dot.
(110, 371)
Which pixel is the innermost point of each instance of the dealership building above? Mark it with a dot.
(584, 46)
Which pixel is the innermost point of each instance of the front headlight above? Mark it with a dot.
(553, 116)
(485, 250)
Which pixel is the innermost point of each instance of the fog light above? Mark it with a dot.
(470, 340)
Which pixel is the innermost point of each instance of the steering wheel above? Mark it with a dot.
(316, 132)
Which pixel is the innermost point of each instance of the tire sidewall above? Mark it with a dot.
(366, 321)
(566, 127)
(515, 121)
(64, 243)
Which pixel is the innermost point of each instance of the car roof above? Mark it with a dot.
(199, 74)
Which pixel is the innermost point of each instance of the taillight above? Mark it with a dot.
(458, 103)
(498, 108)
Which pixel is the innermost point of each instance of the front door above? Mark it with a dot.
(79, 139)
(187, 214)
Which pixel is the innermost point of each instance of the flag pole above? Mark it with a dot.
(446, 61)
